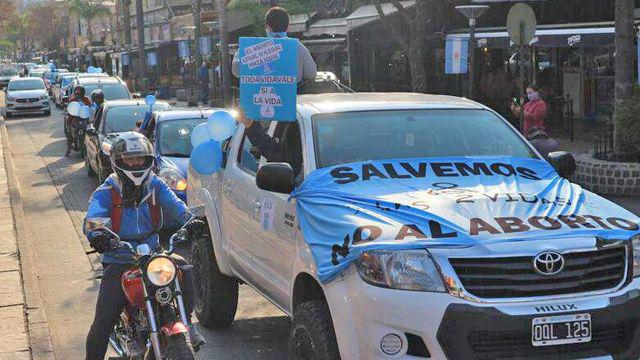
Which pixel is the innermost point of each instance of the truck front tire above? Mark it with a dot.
(312, 336)
(216, 293)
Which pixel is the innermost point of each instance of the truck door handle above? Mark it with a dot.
(258, 204)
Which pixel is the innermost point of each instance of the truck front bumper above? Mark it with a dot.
(442, 326)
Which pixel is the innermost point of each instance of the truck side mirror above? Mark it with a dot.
(563, 162)
(276, 177)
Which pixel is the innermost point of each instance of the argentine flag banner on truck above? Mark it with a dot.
(446, 202)
(268, 72)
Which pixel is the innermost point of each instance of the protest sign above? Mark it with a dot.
(268, 83)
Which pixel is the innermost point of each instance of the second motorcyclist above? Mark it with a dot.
(136, 201)
(70, 122)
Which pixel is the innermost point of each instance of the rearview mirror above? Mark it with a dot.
(563, 162)
(276, 177)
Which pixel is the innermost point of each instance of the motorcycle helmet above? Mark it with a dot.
(97, 96)
(132, 161)
(79, 91)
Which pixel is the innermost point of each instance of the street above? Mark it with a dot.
(55, 191)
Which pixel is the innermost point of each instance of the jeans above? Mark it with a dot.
(111, 301)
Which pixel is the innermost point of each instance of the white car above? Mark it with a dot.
(475, 270)
(27, 95)
(7, 74)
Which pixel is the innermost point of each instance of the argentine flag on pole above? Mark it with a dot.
(456, 54)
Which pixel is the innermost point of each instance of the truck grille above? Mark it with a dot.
(509, 277)
(27, 100)
(607, 339)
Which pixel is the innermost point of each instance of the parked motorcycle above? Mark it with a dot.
(154, 323)
(75, 125)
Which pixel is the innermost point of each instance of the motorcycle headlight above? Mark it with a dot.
(106, 148)
(635, 243)
(173, 179)
(161, 271)
(404, 270)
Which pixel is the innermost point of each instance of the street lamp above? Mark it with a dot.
(472, 12)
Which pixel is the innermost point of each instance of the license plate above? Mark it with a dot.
(559, 330)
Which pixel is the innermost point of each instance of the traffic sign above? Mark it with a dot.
(521, 24)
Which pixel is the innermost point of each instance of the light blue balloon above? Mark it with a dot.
(199, 134)
(222, 125)
(85, 112)
(150, 100)
(99, 70)
(91, 69)
(206, 158)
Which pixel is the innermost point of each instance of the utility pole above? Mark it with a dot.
(225, 66)
(197, 5)
(142, 61)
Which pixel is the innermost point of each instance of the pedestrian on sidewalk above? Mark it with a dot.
(203, 80)
(535, 110)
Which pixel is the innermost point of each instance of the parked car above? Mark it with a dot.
(27, 95)
(552, 285)
(7, 74)
(117, 116)
(170, 133)
(61, 86)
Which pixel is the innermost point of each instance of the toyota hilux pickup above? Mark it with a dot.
(413, 226)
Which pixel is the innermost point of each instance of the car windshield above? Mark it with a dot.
(37, 74)
(111, 91)
(9, 72)
(401, 134)
(124, 118)
(174, 136)
(26, 85)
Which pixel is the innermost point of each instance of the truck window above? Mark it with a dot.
(249, 156)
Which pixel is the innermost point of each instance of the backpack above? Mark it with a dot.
(116, 211)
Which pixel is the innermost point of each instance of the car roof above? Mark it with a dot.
(26, 78)
(345, 102)
(92, 75)
(128, 102)
(99, 80)
(178, 114)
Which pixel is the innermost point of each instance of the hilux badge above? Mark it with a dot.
(548, 263)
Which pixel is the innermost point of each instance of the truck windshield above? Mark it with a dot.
(401, 134)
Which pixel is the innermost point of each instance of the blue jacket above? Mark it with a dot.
(136, 226)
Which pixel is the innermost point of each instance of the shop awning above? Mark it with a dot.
(331, 27)
(325, 45)
(298, 22)
(546, 37)
(368, 13)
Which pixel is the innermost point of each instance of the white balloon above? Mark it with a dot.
(73, 108)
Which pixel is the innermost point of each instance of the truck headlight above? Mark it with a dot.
(173, 179)
(404, 270)
(635, 243)
(11, 98)
(161, 271)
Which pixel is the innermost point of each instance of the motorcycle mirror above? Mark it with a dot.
(143, 250)
(197, 211)
(96, 224)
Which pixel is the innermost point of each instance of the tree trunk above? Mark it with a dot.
(624, 60)
(417, 49)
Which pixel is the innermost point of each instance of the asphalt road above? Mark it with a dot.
(55, 191)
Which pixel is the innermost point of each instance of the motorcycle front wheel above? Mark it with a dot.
(179, 348)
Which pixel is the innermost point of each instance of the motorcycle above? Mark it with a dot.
(154, 323)
(75, 126)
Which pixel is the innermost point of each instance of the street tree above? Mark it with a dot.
(626, 122)
(88, 10)
(425, 23)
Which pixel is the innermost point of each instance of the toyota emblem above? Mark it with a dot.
(548, 263)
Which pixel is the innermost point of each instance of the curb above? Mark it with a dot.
(36, 322)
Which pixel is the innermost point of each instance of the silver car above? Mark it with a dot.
(27, 95)
(6, 75)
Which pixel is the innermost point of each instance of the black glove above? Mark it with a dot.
(102, 242)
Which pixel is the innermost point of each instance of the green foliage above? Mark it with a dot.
(628, 125)
(257, 11)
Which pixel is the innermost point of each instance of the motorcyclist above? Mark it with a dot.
(136, 201)
(97, 99)
(70, 121)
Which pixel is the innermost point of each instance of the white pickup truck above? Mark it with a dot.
(535, 299)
